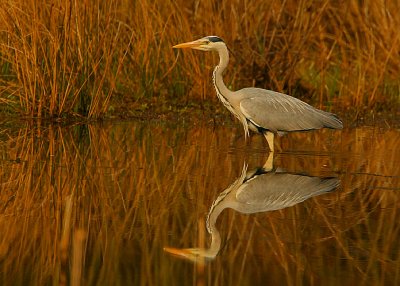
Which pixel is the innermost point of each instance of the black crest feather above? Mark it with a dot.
(214, 39)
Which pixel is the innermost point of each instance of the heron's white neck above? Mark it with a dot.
(220, 87)
(223, 93)
(219, 70)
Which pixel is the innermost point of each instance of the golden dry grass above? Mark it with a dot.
(96, 205)
(61, 57)
(90, 58)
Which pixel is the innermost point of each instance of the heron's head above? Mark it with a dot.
(209, 43)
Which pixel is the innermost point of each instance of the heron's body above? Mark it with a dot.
(260, 110)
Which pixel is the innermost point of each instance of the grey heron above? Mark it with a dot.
(260, 110)
(261, 190)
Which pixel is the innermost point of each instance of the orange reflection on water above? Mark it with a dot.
(98, 203)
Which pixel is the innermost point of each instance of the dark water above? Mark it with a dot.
(121, 203)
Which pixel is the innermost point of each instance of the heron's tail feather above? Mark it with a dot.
(331, 120)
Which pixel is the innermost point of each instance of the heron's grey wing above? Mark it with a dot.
(274, 191)
(280, 112)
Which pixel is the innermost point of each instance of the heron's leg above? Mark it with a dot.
(269, 164)
(270, 139)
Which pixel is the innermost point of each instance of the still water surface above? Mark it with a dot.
(121, 203)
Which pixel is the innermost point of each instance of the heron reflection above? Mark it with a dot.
(259, 190)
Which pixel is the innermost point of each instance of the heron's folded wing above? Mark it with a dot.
(280, 112)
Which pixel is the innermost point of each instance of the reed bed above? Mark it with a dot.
(93, 59)
(96, 204)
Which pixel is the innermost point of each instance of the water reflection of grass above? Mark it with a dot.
(101, 202)
(89, 59)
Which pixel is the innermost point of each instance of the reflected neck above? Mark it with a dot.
(215, 246)
(215, 211)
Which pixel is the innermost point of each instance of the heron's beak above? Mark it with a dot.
(193, 45)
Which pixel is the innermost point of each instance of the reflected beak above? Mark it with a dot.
(186, 253)
(179, 251)
(193, 45)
